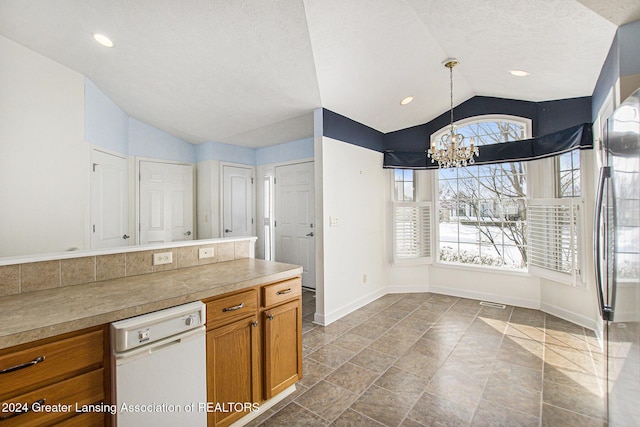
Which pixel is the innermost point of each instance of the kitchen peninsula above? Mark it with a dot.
(72, 324)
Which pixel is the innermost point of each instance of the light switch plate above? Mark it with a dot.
(205, 253)
(163, 258)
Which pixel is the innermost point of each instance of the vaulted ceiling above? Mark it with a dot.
(251, 72)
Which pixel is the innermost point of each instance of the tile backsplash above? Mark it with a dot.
(35, 276)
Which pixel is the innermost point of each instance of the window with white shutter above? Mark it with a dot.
(553, 230)
(412, 230)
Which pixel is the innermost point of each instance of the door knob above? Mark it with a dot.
(310, 234)
(125, 237)
(188, 233)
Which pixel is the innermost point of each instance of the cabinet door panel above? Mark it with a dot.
(283, 347)
(232, 370)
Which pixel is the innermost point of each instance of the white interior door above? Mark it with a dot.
(109, 200)
(166, 202)
(237, 201)
(294, 218)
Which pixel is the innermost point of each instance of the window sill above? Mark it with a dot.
(410, 262)
(483, 268)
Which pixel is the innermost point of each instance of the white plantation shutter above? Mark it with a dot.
(553, 247)
(412, 230)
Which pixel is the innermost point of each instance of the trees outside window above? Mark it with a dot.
(482, 209)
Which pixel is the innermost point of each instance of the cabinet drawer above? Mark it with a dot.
(223, 310)
(52, 361)
(282, 291)
(62, 397)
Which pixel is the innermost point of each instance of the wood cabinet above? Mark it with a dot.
(44, 382)
(233, 359)
(283, 347)
(254, 347)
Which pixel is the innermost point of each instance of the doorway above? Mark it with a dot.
(237, 201)
(294, 225)
(109, 200)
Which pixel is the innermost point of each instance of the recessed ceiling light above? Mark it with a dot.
(103, 40)
(519, 73)
(406, 100)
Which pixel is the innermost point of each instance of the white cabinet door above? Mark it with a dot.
(237, 201)
(109, 200)
(294, 218)
(166, 202)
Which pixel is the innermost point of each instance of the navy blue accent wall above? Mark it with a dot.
(608, 75)
(546, 117)
(415, 138)
(344, 129)
(554, 116)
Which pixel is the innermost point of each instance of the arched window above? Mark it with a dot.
(482, 209)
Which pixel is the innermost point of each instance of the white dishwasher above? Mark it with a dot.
(159, 368)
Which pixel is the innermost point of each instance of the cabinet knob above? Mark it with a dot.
(255, 323)
(270, 317)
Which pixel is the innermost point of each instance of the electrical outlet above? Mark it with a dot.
(333, 221)
(206, 253)
(163, 258)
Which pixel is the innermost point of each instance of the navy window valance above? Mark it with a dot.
(576, 137)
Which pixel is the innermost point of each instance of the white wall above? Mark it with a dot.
(44, 161)
(208, 199)
(351, 190)
(352, 186)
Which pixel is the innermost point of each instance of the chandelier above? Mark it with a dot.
(450, 151)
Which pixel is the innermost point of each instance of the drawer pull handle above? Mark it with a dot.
(234, 308)
(24, 365)
(25, 411)
(286, 291)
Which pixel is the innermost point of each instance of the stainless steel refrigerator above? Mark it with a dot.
(617, 260)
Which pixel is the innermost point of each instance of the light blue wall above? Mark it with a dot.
(289, 151)
(108, 126)
(105, 124)
(147, 141)
(226, 153)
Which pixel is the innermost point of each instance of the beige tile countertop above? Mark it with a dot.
(35, 315)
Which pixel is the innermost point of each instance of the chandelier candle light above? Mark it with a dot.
(451, 152)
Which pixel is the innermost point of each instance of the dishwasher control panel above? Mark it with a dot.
(134, 332)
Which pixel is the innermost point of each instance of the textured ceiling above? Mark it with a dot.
(250, 72)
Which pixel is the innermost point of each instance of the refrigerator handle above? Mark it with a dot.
(605, 311)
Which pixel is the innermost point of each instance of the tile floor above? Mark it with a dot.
(435, 360)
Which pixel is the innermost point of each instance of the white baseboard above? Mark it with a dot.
(324, 320)
(572, 317)
(583, 321)
(483, 296)
(407, 289)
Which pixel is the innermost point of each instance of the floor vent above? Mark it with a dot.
(493, 305)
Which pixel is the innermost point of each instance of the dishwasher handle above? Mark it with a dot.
(124, 357)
